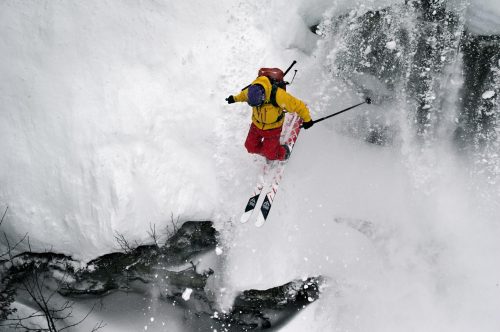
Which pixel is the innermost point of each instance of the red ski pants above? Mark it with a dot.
(265, 142)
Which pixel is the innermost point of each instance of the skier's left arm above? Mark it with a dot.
(292, 104)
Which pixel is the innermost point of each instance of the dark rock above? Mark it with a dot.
(148, 266)
(272, 308)
(477, 119)
(401, 53)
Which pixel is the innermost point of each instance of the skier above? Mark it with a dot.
(268, 104)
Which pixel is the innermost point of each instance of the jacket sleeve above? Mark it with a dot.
(292, 104)
(242, 96)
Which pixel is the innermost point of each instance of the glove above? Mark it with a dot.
(230, 100)
(308, 124)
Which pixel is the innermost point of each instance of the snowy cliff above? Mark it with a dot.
(113, 119)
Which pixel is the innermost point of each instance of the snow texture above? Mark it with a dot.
(113, 119)
(186, 295)
(488, 94)
(483, 17)
(391, 45)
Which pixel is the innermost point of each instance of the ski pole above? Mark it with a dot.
(367, 101)
(286, 71)
(284, 74)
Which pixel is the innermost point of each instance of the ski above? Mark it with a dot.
(291, 138)
(252, 201)
(266, 169)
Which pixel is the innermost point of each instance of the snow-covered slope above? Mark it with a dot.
(109, 112)
(113, 118)
(483, 17)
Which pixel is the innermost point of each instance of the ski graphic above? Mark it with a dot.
(252, 201)
(265, 208)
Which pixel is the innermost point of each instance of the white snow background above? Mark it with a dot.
(112, 118)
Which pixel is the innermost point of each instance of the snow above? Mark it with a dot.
(186, 295)
(483, 17)
(391, 45)
(488, 94)
(113, 119)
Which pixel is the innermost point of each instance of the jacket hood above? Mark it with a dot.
(266, 84)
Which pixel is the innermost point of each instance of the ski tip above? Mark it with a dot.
(260, 221)
(245, 217)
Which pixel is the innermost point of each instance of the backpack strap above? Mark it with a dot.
(272, 99)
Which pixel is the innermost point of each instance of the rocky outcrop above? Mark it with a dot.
(169, 269)
(408, 53)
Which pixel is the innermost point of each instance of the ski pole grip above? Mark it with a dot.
(302, 124)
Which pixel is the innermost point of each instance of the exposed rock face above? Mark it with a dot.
(399, 53)
(261, 309)
(479, 113)
(407, 53)
(170, 269)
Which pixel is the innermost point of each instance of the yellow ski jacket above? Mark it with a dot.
(267, 116)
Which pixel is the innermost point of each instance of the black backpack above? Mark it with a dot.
(276, 76)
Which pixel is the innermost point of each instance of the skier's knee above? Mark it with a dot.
(251, 148)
